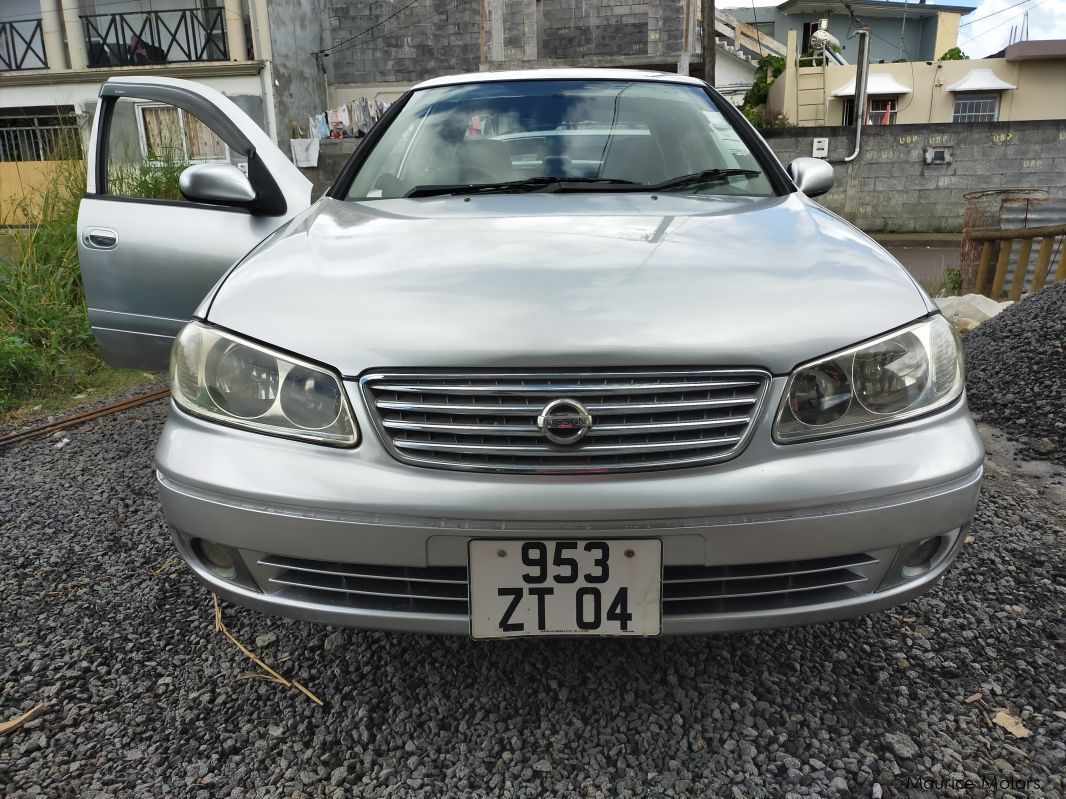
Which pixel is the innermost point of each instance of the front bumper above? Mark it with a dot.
(791, 506)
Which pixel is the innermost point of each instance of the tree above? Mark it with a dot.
(954, 54)
(766, 71)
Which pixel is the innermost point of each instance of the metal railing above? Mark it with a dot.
(156, 37)
(1000, 244)
(39, 143)
(22, 46)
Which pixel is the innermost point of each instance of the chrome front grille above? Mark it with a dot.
(640, 419)
(687, 590)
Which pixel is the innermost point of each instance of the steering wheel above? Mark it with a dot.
(479, 174)
(472, 173)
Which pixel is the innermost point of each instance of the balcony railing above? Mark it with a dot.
(156, 37)
(36, 142)
(22, 46)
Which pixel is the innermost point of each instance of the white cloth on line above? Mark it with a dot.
(304, 151)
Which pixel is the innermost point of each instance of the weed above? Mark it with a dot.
(46, 342)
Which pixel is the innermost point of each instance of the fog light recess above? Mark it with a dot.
(921, 557)
(221, 560)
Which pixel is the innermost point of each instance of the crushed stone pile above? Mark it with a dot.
(1016, 371)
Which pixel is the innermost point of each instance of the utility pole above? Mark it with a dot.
(708, 40)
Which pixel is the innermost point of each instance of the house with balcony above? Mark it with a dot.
(55, 54)
(901, 30)
(1022, 82)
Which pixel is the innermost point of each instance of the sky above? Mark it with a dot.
(1047, 20)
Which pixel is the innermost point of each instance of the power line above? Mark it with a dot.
(347, 42)
(1004, 22)
(331, 48)
(994, 13)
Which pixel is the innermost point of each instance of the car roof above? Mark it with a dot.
(585, 73)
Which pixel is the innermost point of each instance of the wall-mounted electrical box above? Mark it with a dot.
(938, 155)
(820, 149)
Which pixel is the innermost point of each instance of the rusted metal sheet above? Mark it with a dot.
(1030, 213)
(982, 212)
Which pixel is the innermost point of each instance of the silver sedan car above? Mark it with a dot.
(560, 352)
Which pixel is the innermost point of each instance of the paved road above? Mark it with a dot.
(145, 699)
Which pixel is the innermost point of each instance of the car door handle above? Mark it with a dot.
(101, 238)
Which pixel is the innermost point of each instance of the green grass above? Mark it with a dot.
(47, 353)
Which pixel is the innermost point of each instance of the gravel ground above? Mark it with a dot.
(145, 699)
(1016, 370)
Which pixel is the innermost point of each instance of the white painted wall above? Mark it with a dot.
(80, 93)
(731, 71)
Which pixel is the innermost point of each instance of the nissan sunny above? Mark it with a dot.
(561, 352)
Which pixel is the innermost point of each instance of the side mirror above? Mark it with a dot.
(216, 183)
(812, 176)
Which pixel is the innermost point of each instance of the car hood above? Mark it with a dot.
(557, 280)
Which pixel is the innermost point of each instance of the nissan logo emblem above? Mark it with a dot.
(564, 421)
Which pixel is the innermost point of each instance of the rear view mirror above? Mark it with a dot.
(812, 176)
(216, 183)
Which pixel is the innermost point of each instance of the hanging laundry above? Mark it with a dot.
(304, 151)
(361, 118)
(298, 130)
(321, 126)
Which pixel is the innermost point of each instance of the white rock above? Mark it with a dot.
(975, 307)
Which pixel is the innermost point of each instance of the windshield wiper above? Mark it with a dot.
(706, 176)
(542, 183)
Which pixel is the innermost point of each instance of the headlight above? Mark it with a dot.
(219, 376)
(898, 376)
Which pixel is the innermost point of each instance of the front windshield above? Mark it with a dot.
(594, 135)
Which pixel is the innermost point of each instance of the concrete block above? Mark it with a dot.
(892, 183)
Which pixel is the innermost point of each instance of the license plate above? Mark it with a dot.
(548, 587)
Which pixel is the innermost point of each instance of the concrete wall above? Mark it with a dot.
(890, 188)
(299, 87)
(430, 38)
(332, 155)
(439, 38)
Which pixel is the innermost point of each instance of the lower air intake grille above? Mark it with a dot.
(706, 590)
(687, 590)
(610, 421)
(438, 590)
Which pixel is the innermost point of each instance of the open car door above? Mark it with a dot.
(150, 251)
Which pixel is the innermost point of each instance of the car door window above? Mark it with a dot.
(150, 144)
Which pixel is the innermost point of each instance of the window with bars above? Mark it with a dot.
(170, 135)
(976, 108)
(879, 111)
(48, 135)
